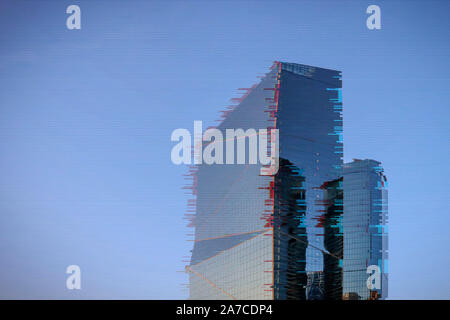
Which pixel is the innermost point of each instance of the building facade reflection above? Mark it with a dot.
(262, 237)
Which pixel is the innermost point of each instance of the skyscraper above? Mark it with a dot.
(334, 239)
(262, 237)
(365, 229)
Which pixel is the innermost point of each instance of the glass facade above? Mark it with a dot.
(275, 237)
(365, 228)
(309, 118)
(232, 256)
(333, 239)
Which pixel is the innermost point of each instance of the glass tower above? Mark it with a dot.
(365, 230)
(259, 236)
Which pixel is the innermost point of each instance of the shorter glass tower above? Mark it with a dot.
(365, 230)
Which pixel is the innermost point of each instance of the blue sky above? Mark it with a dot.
(87, 117)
